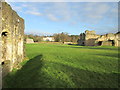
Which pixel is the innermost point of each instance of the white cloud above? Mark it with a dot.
(30, 9)
(87, 12)
(94, 12)
(91, 12)
(73, 23)
(25, 5)
(58, 11)
(52, 17)
(114, 10)
(34, 13)
(39, 32)
(74, 13)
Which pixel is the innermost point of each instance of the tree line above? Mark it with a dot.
(58, 37)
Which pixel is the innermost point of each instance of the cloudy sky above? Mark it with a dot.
(72, 17)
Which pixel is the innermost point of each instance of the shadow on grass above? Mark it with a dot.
(27, 76)
(88, 79)
(108, 55)
(31, 75)
(102, 48)
(74, 44)
(97, 47)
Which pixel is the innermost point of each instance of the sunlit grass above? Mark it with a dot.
(57, 66)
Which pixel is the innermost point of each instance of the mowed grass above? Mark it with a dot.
(66, 66)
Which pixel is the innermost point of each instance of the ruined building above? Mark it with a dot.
(11, 38)
(29, 40)
(90, 38)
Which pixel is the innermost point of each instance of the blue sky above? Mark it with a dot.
(73, 17)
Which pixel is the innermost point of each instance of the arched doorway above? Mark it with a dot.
(99, 43)
(112, 42)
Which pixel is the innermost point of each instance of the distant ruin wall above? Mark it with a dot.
(90, 38)
(29, 41)
(107, 43)
(11, 38)
(110, 39)
(81, 40)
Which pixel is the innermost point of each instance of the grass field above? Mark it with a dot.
(66, 66)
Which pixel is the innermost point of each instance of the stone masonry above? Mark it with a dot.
(11, 38)
(29, 40)
(90, 38)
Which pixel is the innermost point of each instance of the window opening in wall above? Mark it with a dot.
(113, 42)
(4, 33)
(2, 63)
(100, 43)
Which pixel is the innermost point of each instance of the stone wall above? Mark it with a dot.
(110, 39)
(107, 43)
(81, 41)
(11, 38)
(117, 39)
(29, 40)
(90, 38)
(68, 43)
(0, 46)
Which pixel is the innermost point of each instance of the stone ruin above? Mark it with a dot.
(90, 38)
(29, 40)
(11, 38)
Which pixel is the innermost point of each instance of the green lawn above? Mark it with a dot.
(66, 66)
